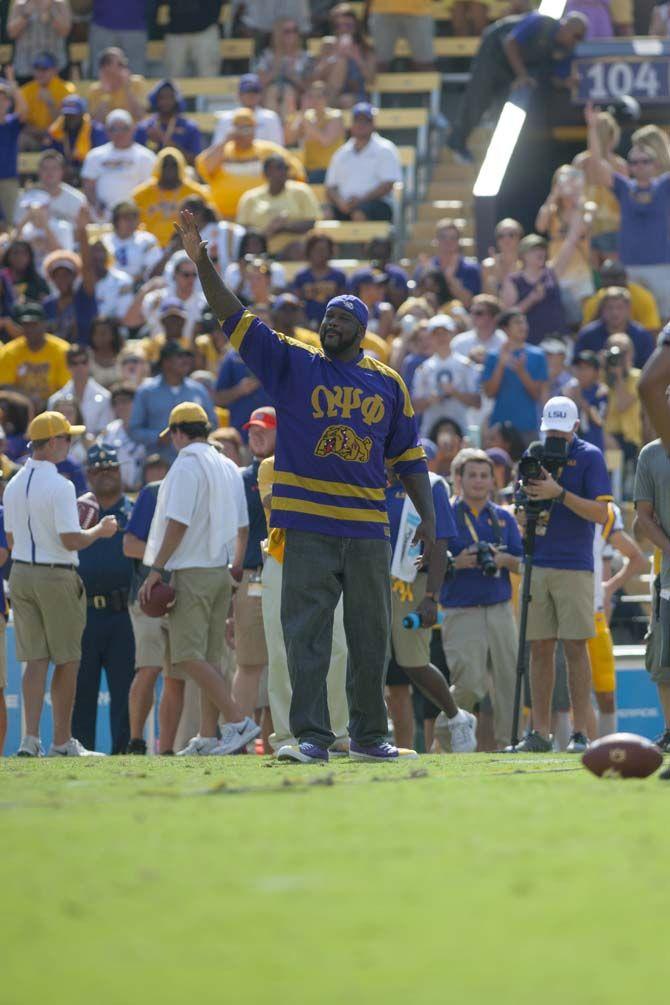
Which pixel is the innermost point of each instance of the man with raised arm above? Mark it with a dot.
(340, 416)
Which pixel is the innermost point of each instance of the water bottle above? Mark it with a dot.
(413, 620)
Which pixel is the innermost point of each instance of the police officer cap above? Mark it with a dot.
(102, 455)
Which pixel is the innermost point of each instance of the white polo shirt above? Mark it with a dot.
(356, 172)
(40, 505)
(116, 172)
(96, 404)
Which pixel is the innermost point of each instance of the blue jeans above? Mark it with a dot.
(318, 568)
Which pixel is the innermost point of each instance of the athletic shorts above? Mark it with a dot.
(601, 655)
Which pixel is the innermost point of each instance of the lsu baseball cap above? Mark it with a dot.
(244, 117)
(250, 83)
(442, 321)
(171, 305)
(49, 424)
(363, 109)
(118, 117)
(353, 305)
(188, 411)
(367, 276)
(73, 105)
(44, 61)
(102, 455)
(29, 311)
(559, 413)
(266, 417)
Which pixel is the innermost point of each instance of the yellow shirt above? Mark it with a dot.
(100, 102)
(417, 7)
(296, 202)
(44, 108)
(159, 207)
(628, 423)
(276, 538)
(642, 306)
(152, 345)
(210, 354)
(315, 156)
(376, 347)
(37, 374)
(241, 170)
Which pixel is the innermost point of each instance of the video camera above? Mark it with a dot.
(550, 455)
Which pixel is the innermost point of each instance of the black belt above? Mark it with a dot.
(46, 565)
(115, 601)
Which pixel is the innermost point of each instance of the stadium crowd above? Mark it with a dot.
(107, 333)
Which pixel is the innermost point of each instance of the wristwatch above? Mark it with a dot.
(561, 497)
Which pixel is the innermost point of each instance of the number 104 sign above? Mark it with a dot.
(644, 75)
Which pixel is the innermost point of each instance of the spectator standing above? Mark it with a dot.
(556, 353)
(590, 396)
(116, 88)
(235, 164)
(268, 125)
(516, 376)
(10, 129)
(479, 632)
(119, 26)
(486, 335)
(130, 454)
(615, 317)
(196, 520)
(535, 290)
(35, 363)
(347, 62)
(318, 130)
(133, 251)
(284, 68)
(259, 19)
(183, 293)
(37, 27)
(159, 198)
(251, 652)
(192, 39)
(152, 655)
(107, 642)
(282, 209)
(644, 199)
(504, 258)
(606, 219)
(643, 307)
(72, 308)
(157, 397)
(111, 172)
(43, 96)
(624, 412)
(113, 287)
(43, 533)
(74, 134)
(167, 127)
(95, 401)
(312, 586)
(446, 385)
(361, 174)
(409, 19)
(20, 272)
(562, 604)
(62, 200)
(105, 351)
(320, 281)
(462, 275)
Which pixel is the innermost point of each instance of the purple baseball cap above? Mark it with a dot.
(363, 108)
(353, 305)
(44, 61)
(73, 105)
(249, 82)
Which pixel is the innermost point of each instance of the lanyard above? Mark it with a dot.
(471, 527)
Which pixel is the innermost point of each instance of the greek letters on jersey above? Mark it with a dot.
(337, 423)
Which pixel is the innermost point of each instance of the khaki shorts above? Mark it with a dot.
(49, 613)
(197, 622)
(3, 653)
(411, 647)
(561, 605)
(250, 648)
(152, 642)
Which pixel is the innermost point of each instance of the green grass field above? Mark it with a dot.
(455, 879)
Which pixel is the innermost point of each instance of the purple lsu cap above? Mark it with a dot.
(351, 304)
(249, 83)
(73, 105)
(364, 109)
(44, 61)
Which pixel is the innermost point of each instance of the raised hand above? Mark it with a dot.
(193, 244)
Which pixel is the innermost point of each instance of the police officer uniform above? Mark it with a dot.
(108, 640)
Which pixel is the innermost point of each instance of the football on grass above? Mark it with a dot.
(160, 600)
(622, 755)
(88, 508)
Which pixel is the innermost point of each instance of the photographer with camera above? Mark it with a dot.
(571, 482)
(479, 630)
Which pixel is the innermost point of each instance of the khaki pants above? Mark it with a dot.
(196, 54)
(480, 644)
(279, 684)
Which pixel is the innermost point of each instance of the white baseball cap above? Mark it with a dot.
(559, 413)
(442, 321)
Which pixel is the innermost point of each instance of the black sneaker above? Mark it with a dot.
(663, 741)
(532, 743)
(577, 744)
(136, 746)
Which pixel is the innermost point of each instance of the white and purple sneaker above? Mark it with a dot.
(303, 753)
(380, 752)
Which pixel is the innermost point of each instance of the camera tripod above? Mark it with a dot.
(528, 552)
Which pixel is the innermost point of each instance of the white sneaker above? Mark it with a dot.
(30, 747)
(73, 748)
(198, 746)
(236, 735)
(463, 730)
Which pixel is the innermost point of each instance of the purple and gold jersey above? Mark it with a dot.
(337, 425)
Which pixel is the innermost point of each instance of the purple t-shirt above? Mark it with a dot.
(644, 235)
(120, 15)
(547, 317)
